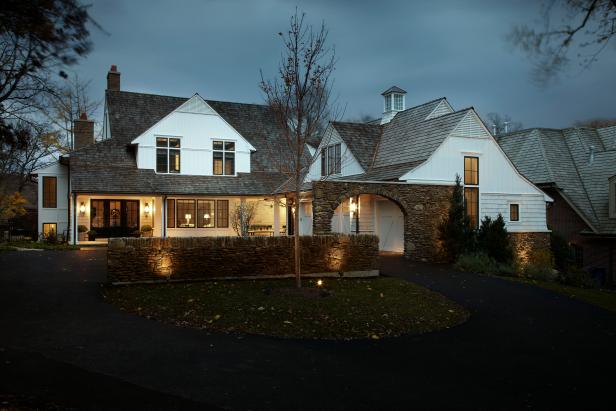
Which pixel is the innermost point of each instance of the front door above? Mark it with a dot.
(114, 218)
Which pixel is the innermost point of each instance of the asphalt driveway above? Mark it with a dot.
(523, 347)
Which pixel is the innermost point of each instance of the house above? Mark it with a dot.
(182, 165)
(394, 176)
(577, 168)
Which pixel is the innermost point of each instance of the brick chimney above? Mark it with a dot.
(113, 78)
(83, 132)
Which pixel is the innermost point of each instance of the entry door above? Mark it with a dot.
(390, 227)
(114, 218)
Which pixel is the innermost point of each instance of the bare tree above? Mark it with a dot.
(500, 124)
(242, 217)
(586, 26)
(595, 123)
(67, 103)
(299, 99)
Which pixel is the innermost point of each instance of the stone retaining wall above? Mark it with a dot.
(524, 244)
(193, 258)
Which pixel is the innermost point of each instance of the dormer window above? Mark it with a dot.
(224, 158)
(167, 155)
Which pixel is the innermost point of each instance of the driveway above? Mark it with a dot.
(523, 347)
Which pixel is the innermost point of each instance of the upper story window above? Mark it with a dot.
(50, 192)
(388, 102)
(224, 158)
(167, 155)
(514, 212)
(398, 102)
(471, 189)
(331, 160)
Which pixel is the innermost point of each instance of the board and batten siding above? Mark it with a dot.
(197, 126)
(348, 164)
(499, 182)
(59, 214)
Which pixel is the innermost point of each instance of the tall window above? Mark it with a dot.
(388, 102)
(186, 216)
(331, 160)
(205, 213)
(514, 212)
(398, 102)
(170, 213)
(471, 189)
(50, 192)
(167, 155)
(224, 158)
(222, 213)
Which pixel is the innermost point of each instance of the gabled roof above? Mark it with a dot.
(562, 158)
(110, 166)
(362, 139)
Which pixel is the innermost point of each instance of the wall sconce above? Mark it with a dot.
(146, 209)
(82, 209)
(353, 206)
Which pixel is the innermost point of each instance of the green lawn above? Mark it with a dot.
(601, 298)
(38, 245)
(355, 309)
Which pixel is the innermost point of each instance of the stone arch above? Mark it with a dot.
(423, 207)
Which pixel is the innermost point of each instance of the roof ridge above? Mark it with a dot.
(423, 104)
(184, 98)
(544, 154)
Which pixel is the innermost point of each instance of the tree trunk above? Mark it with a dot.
(298, 277)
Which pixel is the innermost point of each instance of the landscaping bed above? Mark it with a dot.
(347, 309)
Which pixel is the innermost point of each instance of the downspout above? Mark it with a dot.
(74, 218)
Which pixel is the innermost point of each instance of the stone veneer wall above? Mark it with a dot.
(423, 206)
(191, 258)
(525, 243)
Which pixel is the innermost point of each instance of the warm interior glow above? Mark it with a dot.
(188, 217)
(206, 216)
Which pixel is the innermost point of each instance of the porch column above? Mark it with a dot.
(163, 215)
(276, 217)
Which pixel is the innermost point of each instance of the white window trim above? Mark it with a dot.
(212, 140)
(156, 136)
(509, 204)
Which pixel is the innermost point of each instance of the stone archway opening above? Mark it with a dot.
(371, 214)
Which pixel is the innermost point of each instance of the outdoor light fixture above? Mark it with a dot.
(353, 207)
(82, 208)
(146, 209)
(319, 283)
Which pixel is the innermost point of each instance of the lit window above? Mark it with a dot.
(50, 230)
(514, 212)
(471, 203)
(185, 212)
(331, 160)
(222, 213)
(224, 158)
(471, 171)
(205, 213)
(398, 106)
(167, 155)
(50, 192)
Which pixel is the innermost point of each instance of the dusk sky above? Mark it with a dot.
(455, 49)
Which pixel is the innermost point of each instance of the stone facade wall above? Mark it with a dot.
(423, 206)
(191, 258)
(525, 243)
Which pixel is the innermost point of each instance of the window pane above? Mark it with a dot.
(161, 160)
(338, 160)
(50, 192)
(97, 214)
(161, 142)
(171, 213)
(397, 101)
(174, 161)
(229, 146)
(217, 145)
(185, 213)
(49, 229)
(132, 214)
(174, 142)
(514, 212)
(217, 163)
(222, 213)
(471, 170)
(331, 160)
(115, 216)
(229, 164)
(471, 203)
(205, 213)
(388, 102)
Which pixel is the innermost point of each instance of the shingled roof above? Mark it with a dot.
(362, 139)
(110, 167)
(562, 158)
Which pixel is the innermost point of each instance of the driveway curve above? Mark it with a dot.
(524, 347)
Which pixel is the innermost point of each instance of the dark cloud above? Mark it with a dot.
(431, 49)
